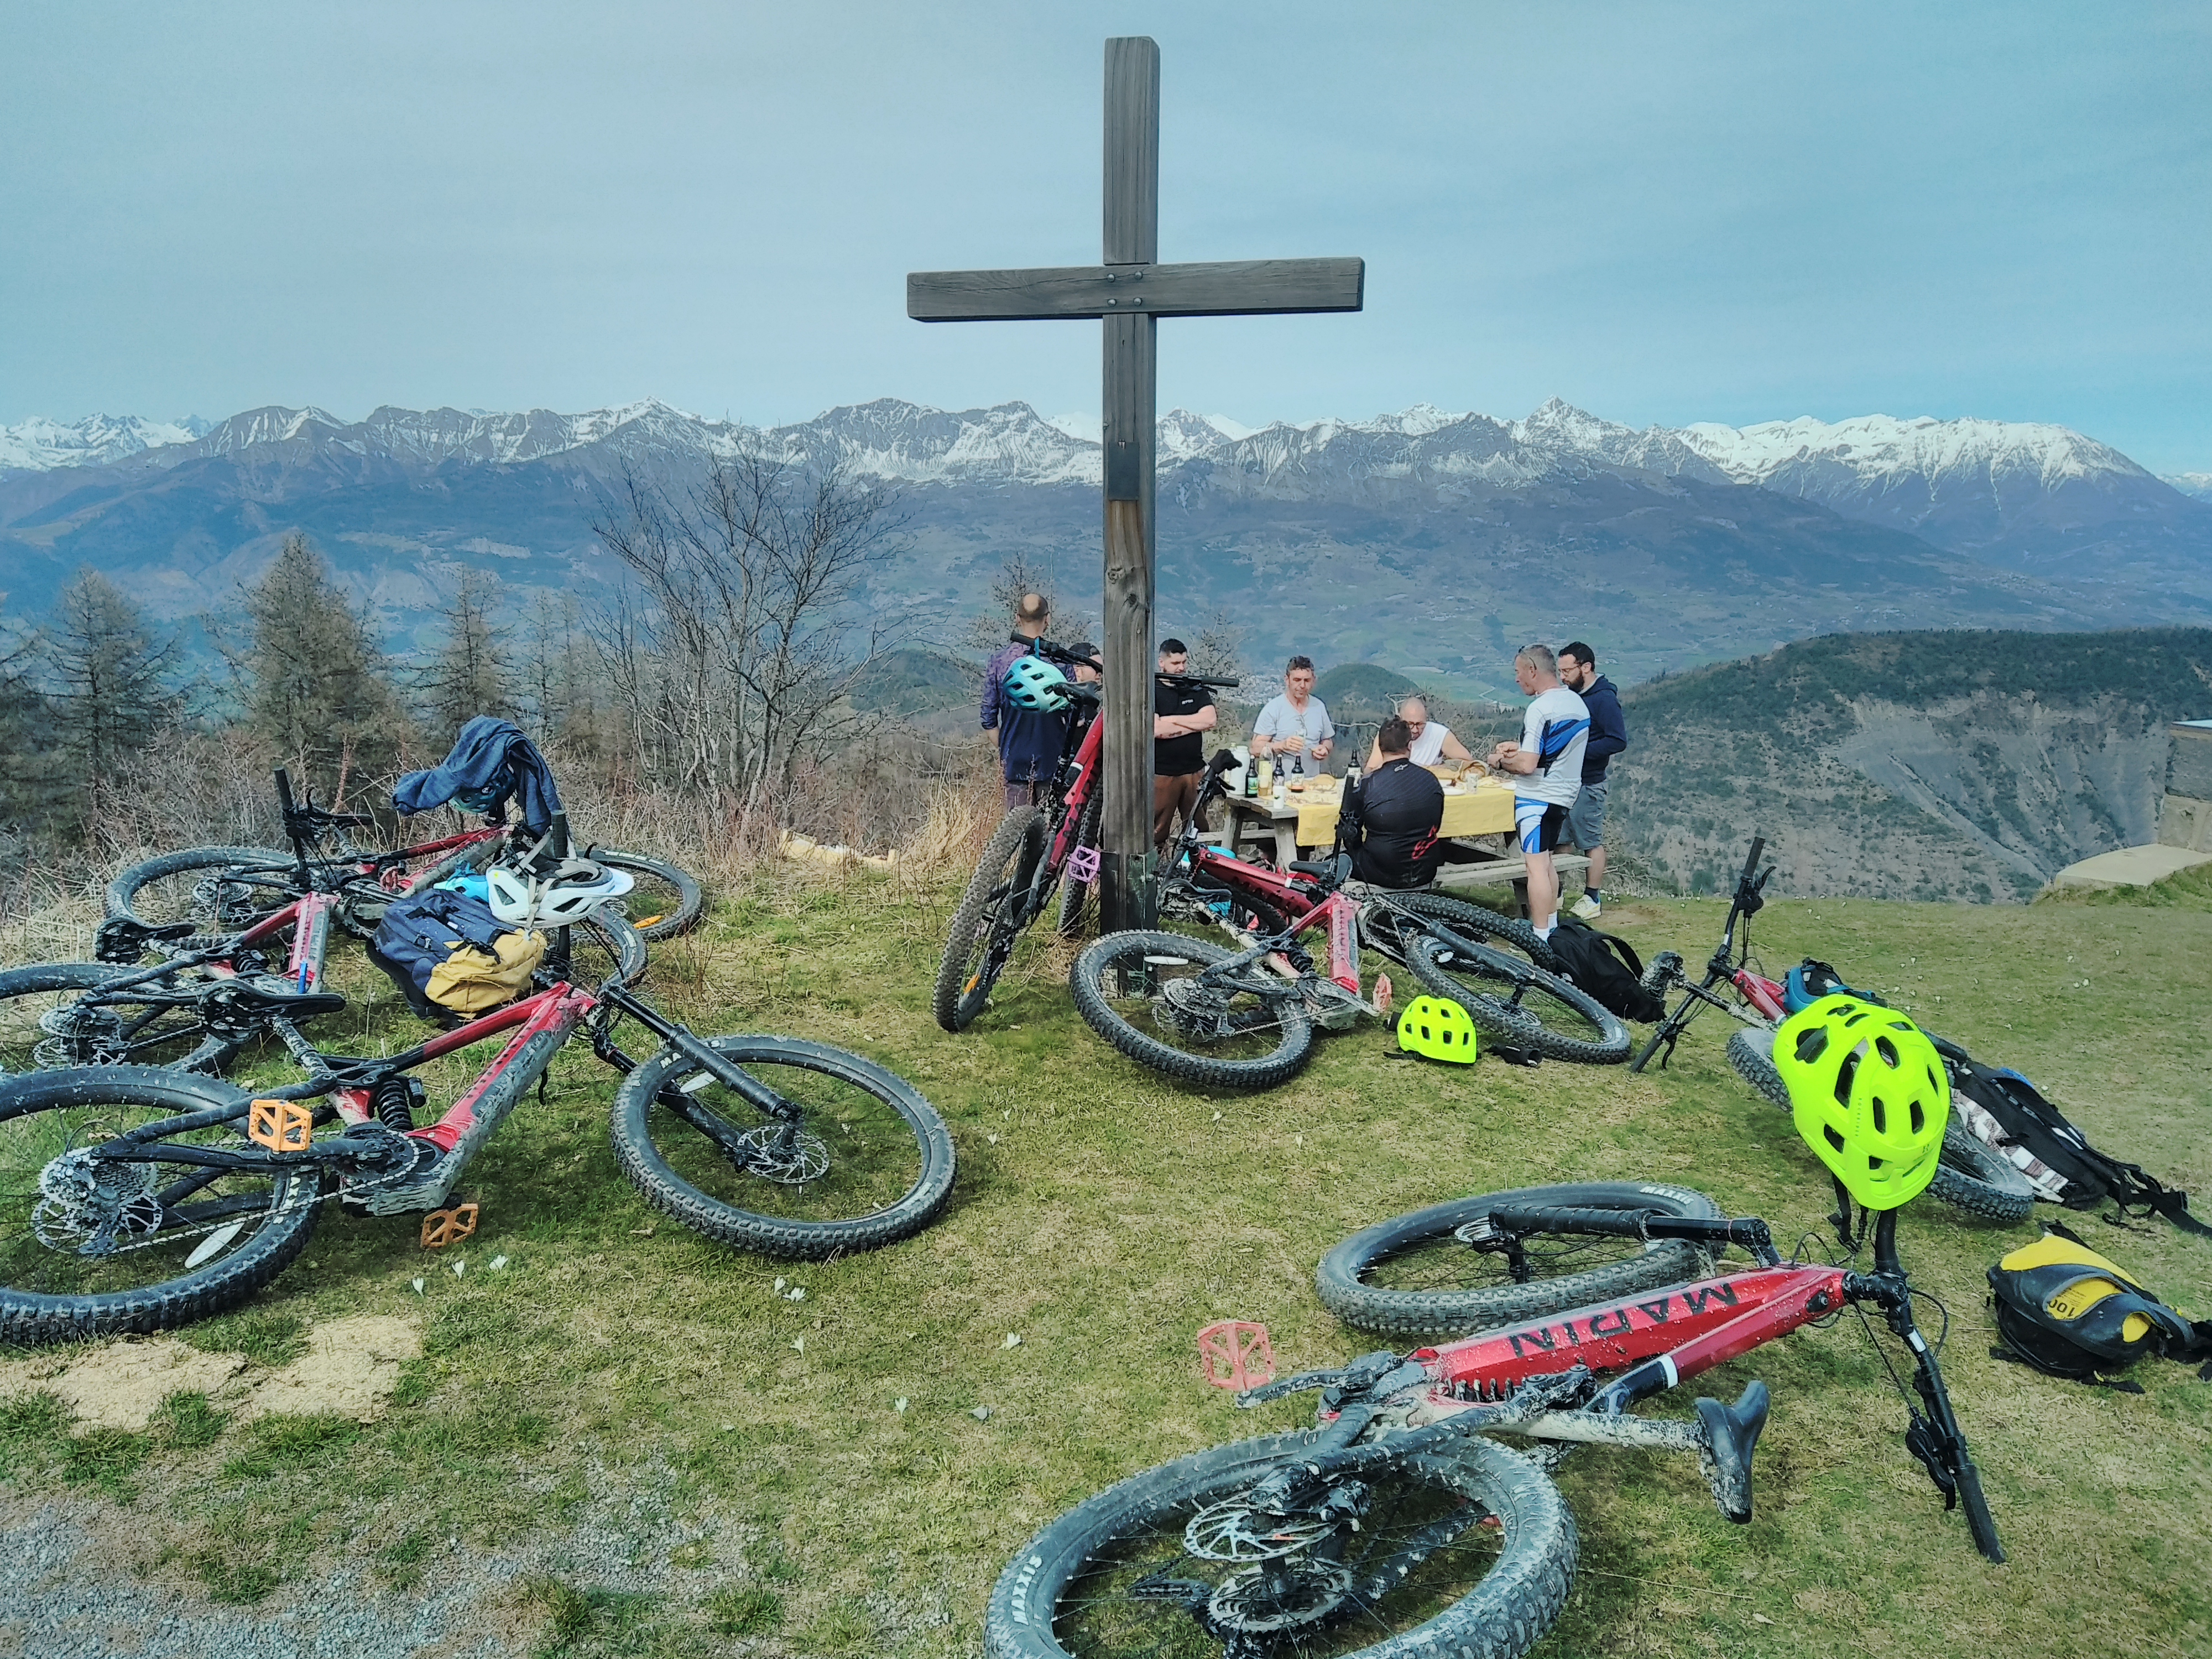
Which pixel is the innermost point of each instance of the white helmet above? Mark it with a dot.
(567, 895)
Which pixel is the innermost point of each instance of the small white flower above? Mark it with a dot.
(899, 1404)
(994, 1140)
(418, 1287)
(799, 1293)
(799, 1343)
(1012, 1342)
(497, 1262)
(1217, 1117)
(458, 1268)
(779, 1287)
(981, 1413)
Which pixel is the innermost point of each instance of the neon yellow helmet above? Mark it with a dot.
(1869, 1094)
(1438, 1029)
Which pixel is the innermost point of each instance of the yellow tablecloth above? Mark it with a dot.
(1485, 808)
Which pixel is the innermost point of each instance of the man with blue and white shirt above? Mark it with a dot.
(1547, 767)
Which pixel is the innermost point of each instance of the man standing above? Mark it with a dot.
(1608, 736)
(1391, 823)
(1181, 711)
(1294, 728)
(1028, 738)
(1548, 769)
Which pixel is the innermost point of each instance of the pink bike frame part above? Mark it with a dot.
(560, 1009)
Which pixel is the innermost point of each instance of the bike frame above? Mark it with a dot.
(1729, 964)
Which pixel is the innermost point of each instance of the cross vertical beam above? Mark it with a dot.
(1129, 432)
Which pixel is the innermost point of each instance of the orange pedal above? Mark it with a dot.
(282, 1125)
(1235, 1354)
(444, 1227)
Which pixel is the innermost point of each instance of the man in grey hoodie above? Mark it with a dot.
(1608, 736)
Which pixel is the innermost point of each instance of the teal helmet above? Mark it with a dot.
(1033, 682)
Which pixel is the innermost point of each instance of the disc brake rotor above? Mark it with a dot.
(793, 1163)
(1234, 1531)
(1262, 1599)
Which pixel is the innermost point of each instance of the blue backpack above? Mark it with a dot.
(421, 933)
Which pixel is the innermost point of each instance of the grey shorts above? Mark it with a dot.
(1586, 817)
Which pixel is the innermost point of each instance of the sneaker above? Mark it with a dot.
(1587, 907)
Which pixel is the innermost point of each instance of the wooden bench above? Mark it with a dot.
(1491, 871)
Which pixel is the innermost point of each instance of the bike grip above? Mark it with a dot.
(284, 790)
(1757, 846)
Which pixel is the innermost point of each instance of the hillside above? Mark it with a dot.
(1967, 765)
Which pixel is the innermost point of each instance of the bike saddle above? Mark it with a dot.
(1732, 1435)
(273, 993)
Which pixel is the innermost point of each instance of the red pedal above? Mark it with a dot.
(1235, 1354)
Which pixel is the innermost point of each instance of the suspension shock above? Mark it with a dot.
(394, 1100)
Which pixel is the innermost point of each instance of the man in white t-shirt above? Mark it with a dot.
(1295, 728)
(1546, 766)
(1433, 743)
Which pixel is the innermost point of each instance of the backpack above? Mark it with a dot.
(2071, 1312)
(2006, 1112)
(447, 951)
(1594, 962)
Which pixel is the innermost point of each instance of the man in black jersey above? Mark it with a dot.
(1389, 823)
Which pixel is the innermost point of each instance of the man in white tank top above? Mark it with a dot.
(1433, 743)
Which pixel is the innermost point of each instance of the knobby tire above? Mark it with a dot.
(983, 927)
(1554, 1016)
(1284, 1012)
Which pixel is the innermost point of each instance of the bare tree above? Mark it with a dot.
(1024, 572)
(559, 672)
(469, 672)
(109, 679)
(1217, 650)
(751, 621)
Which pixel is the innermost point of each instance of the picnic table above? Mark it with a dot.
(1481, 807)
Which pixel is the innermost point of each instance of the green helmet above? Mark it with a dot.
(1869, 1094)
(1033, 682)
(1437, 1029)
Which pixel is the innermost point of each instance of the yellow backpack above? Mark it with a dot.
(474, 981)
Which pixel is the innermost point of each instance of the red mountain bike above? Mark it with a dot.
(1035, 850)
(1244, 1016)
(134, 1199)
(1399, 1527)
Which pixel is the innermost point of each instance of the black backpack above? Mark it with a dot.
(2089, 1178)
(1607, 967)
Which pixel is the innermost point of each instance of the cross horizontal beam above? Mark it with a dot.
(1226, 288)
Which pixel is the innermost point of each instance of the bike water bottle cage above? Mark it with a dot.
(1869, 1094)
(1032, 682)
(1436, 1028)
(575, 888)
(2069, 1311)
(1807, 982)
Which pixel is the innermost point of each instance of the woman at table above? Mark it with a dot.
(1433, 743)
(1392, 823)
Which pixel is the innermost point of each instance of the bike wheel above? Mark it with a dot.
(220, 889)
(1518, 1003)
(1469, 1552)
(59, 1014)
(602, 948)
(1146, 993)
(871, 1163)
(1508, 933)
(1075, 896)
(1971, 1177)
(988, 919)
(665, 901)
(1411, 1275)
(89, 1248)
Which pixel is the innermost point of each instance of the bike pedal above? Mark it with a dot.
(1235, 1353)
(282, 1125)
(444, 1227)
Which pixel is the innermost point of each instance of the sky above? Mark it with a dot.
(1660, 213)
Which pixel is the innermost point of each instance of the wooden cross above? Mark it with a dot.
(1130, 291)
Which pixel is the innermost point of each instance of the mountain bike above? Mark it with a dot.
(134, 1199)
(224, 889)
(1399, 1527)
(211, 997)
(1028, 855)
(1757, 1000)
(1972, 1176)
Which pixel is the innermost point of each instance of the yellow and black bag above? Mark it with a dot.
(2071, 1312)
(474, 981)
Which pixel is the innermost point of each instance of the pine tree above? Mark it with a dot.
(27, 780)
(109, 679)
(315, 685)
(560, 676)
(470, 672)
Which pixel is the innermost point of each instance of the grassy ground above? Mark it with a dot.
(749, 1449)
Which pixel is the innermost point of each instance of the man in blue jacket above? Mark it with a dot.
(1608, 736)
(1028, 738)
